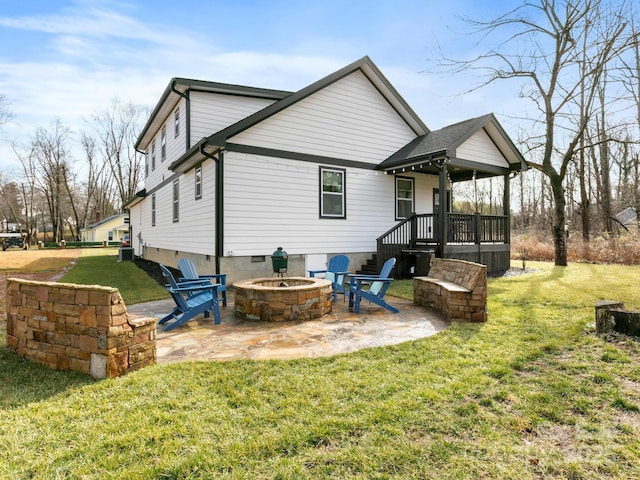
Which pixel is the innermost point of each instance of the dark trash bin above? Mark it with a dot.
(416, 263)
(280, 261)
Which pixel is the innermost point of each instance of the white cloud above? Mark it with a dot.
(95, 51)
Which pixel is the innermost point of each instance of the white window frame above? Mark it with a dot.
(326, 192)
(176, 123)
(411, 200)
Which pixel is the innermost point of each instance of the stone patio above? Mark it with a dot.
(338, 332)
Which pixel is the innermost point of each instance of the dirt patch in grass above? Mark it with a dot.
(41, 265)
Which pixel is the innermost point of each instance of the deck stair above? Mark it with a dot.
(371, 267)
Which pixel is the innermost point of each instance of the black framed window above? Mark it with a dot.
(163, 144)
(198, 180)
(332, 193)
(153, 210)
(405, 197)
(176, 201)
(153, 155)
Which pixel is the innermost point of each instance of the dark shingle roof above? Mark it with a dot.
(437, 143)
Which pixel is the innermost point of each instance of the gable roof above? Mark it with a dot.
(106, 220)
(443, 144)
(178, 87)
(627, 216)
(365, 65)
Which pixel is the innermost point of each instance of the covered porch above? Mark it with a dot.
(473, 149)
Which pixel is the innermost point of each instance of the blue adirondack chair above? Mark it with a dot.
(371, 288)
(191, 298)
(336, 273)
(189, 273)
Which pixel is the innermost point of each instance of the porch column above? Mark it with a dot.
(506, 207)
(442, 207)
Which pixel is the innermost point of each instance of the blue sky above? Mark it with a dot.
(67, 59)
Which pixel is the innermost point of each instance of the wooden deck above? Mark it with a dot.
(472, 237)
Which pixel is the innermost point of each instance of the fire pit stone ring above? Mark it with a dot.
(282, 299)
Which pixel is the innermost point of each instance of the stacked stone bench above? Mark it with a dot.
(84, 328)
(455, 288)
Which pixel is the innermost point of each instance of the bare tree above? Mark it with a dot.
(100, 191)
(5, 113)
(30, 196)
(50, 155)
(561, 50)
(116, 130)
(10, 204)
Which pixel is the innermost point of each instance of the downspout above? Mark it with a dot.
(187, 114)
(219, 196)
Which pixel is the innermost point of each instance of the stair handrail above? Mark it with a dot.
(397, 226)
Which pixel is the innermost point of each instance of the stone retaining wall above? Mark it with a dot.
(84, 328)
(455, 288)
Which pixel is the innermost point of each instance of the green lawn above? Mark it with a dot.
(531, 394)
(96, 268)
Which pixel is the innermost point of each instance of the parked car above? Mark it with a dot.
(125, 240)
(12, 240)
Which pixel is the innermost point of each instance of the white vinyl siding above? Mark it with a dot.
(211, 113)
(135, 218)
(272, 202)
(480, 148)
(348, 119)
(174, 148)
(196, 230)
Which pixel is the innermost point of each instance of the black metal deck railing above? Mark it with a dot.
(422, 231)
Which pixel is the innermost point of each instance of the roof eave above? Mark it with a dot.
(139, 196)
(178, 85)
(201, 151)
(369, 70)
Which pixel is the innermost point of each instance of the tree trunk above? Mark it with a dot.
(559, 236)
(584, 198)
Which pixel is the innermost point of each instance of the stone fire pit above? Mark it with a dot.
(282, 299)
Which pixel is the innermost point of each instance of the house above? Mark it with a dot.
(627, 218)
(110, 229)
(343, 165)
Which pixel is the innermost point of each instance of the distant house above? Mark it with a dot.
(343, 165)
(7, 226)
(110, 229)
(627, 217)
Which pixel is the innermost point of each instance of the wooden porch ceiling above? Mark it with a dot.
(458, 170)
